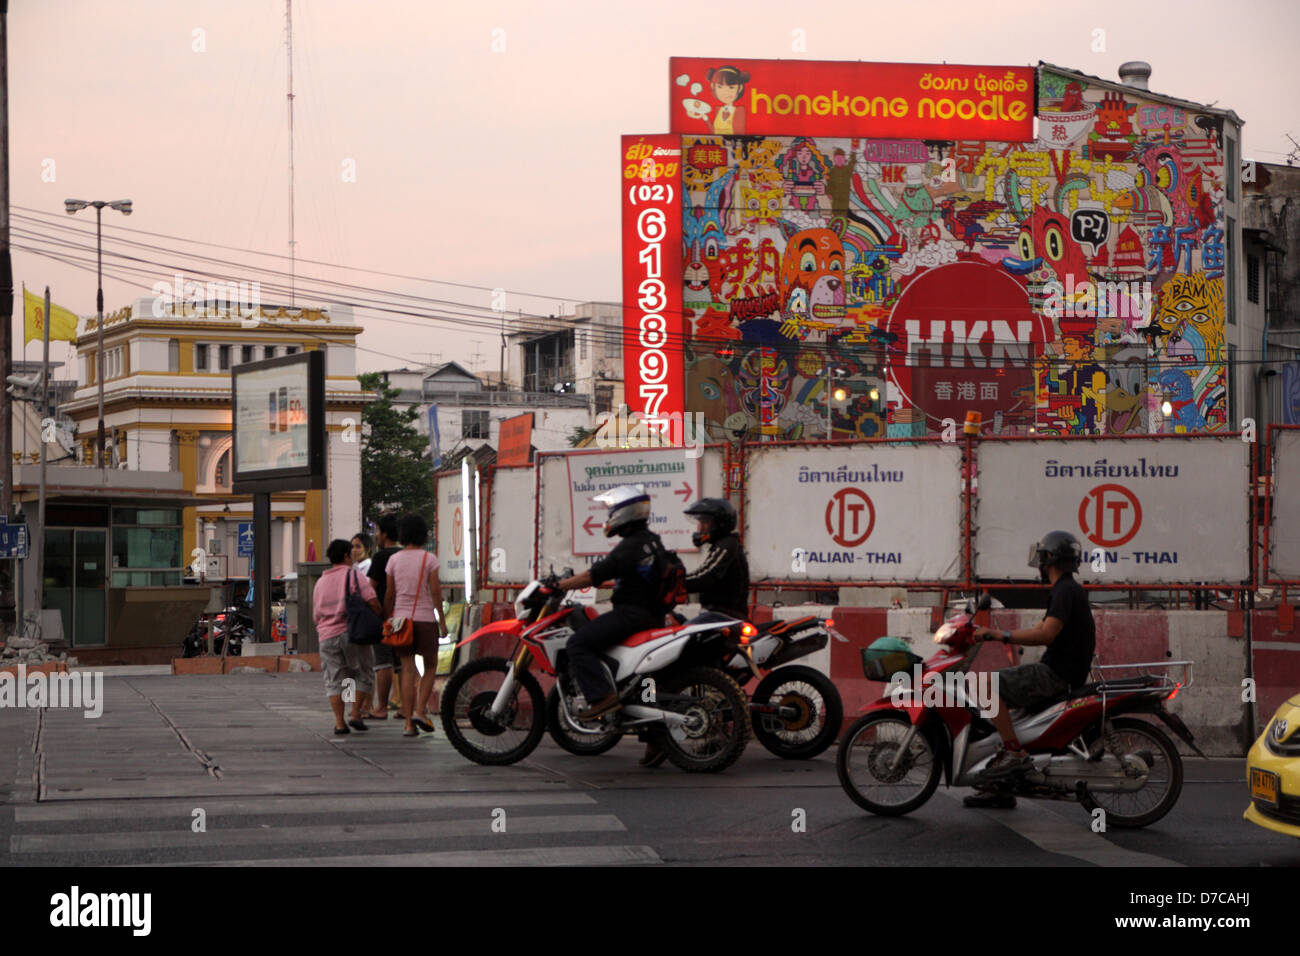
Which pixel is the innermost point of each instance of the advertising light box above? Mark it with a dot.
(279, 423)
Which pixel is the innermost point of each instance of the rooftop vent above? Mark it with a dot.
(1135, 73)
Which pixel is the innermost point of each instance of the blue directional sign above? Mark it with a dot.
(13, 541)
(245, 539)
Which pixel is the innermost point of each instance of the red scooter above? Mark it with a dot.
(1090, 747)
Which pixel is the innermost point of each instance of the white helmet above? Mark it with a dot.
(627, 504)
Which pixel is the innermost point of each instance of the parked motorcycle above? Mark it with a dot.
(1089, 747)
(212, 628)
(672, 691)
(796, 712)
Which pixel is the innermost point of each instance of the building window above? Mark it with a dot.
(604, 398)
(173, 355)
(146, 547)
(474, 423)
(245, 353)
(1252, 278)
(613, 336)
(1230, 251)
(582, 344)
(269, 352)
(223, 358)
(200, 358)
(291, 350)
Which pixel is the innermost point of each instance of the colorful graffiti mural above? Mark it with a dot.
(1070, 285)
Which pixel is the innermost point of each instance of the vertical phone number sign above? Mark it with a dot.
(653, 334)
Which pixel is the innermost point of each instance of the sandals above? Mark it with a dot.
(340, 731)
(411, 733)
(423, 724)
(358, 725)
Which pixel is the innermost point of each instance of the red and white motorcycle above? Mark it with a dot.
(494, 713)
(1089, 747)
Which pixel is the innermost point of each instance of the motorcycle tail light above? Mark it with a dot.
(830, 622)
(221, 617)
(1174, 693)
(747, 632)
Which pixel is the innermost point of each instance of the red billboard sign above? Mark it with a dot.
(514, 443)
(842, 98)
(653, 363)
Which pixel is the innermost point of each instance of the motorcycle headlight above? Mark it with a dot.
(945, 631)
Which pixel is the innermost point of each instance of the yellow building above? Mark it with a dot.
(167, 369)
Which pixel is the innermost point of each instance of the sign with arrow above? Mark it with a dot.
(670, 477)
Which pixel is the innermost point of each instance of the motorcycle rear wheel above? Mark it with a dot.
(465, 699)
(862, 764)
(584, 745)
(821, 712)
(1126, 810)
(719, 702)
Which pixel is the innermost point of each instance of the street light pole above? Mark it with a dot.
(99, 308)
(124, 207)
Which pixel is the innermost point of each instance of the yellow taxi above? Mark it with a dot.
(1273, 772)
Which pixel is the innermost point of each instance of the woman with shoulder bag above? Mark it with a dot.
(413, 615)
(339, 657)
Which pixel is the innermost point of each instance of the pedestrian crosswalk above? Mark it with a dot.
(401, 829)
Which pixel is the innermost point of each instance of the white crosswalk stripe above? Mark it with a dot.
(563, 828)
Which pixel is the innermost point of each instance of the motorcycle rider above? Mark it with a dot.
(636, 565)
(722, 579)
(1069, 634)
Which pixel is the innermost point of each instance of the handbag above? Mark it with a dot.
(399, 632)
(365, 627)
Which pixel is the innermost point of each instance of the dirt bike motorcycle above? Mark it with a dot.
(672, 692)
(1090, 747)
(796, 712)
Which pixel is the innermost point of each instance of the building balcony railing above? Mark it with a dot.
(492, 397)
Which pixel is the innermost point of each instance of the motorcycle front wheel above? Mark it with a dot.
(469, 694)
(819, 712)
(1139, 808)
(867, 771)
(584, 745)
(717, 726)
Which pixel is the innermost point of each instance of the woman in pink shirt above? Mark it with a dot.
(340, 659)
(419, 597)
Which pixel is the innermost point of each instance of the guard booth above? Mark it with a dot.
(115, 571)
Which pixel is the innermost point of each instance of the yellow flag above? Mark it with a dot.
(63, 325)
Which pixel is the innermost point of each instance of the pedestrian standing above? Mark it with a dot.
(340, 659)
(418, 596)
(362, 551)
(387, 664)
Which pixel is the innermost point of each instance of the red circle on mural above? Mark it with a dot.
(964, 335)
(845, 517)
(1114, 505)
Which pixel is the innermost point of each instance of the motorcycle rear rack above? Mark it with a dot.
(1154, 676)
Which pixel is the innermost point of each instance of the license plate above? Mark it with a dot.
(1263, 785)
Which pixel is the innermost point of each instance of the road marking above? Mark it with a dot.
(538, 856)
(1050, 832)
(307, 835)
(215, 808)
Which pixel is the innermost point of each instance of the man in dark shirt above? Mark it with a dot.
(387, 664)
(1068, 632)
(722, 579)
(636, 565)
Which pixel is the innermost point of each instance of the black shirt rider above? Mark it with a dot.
(1070, 654)
(722, 579)
(633, 564)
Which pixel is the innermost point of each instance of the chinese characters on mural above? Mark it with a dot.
(1070, 285)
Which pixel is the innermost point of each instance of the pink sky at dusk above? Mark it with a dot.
(489, 169)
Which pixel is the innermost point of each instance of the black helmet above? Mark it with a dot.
(722, 513)
(1059, 548)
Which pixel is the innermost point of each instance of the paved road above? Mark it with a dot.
(256, 755)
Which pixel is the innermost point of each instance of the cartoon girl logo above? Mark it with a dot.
(728, 84)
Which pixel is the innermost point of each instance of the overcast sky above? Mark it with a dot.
(477, 143)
